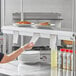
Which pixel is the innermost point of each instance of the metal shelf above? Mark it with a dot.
(36, 19)
(30, 31)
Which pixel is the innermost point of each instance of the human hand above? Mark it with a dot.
(28, 46)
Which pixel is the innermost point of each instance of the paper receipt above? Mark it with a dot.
(35, 37)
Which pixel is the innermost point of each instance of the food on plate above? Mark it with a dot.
(68, 42)
(44, 23)
(23, 22)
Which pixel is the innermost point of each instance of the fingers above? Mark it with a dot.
(31, 44)
(28, 46)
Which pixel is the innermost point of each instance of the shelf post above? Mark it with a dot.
(53, 47)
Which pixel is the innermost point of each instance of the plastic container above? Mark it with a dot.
(60, 58)
(53, 58)
(69, 59)
(72, 61)
(65, 60)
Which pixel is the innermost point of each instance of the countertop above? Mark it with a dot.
(15, 68)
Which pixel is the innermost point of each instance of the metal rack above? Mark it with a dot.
(30, 31)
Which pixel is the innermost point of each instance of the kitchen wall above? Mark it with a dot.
(62, 6)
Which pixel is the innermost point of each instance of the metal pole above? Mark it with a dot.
(22, 10)
(73, 24)
(74, 56)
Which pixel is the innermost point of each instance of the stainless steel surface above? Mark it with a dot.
(38, 16)
(3, 74)
(39, 69)
(14, 69)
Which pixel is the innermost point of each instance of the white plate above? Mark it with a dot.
(22, 25)
(43, 27)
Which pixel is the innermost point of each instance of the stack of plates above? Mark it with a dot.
(29, 57)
